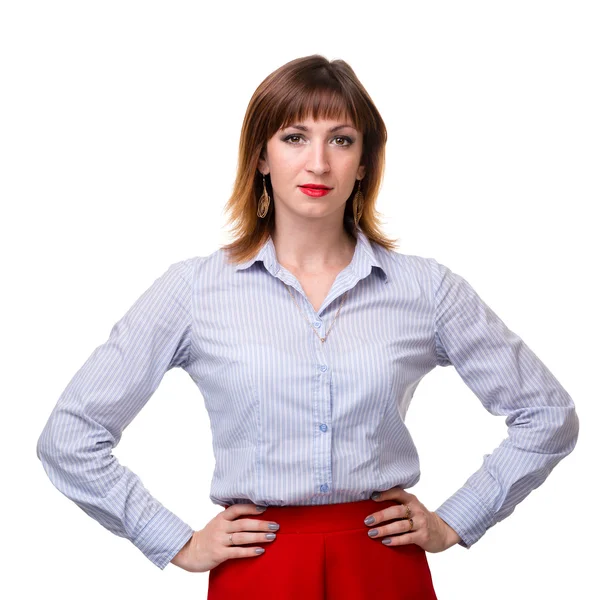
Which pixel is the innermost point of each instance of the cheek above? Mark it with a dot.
(285, 167)
(282, 171)
(352, 161)
(349, 171)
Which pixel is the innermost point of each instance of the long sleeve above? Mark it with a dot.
(103, 397)
(510, 380)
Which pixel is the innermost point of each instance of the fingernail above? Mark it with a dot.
(373, 532)
(259, 550)
(261, 508)
(375, 495)
(370, 520)
(386, 541)
(273, 526)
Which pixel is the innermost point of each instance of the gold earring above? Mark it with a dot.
(263, 203)
(358, 204)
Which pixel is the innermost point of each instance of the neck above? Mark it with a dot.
(313, 249)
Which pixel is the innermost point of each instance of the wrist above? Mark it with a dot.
(452, 537)
(180, 559)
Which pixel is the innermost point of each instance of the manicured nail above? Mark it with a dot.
(261, 508)
(273, 526)
(373, 532)
(370, 520)
(259, 550)
(386, 541)
(375, 495)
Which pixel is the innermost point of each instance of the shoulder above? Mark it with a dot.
(410, 268)
(202, 268)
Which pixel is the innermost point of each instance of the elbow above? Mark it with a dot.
(76, 454)
(50, 451)
(551, 430)
(44, 443)
(62, 444)
(572, 427)
(565, 431)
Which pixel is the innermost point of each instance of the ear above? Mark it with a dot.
(263, 167)
(361, 172)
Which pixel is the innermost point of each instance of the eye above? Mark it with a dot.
(287, 139)
(347, 139)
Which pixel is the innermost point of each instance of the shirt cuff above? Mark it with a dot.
(467, 515)
(163, 537)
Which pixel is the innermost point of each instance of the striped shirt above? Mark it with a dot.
(295, 420)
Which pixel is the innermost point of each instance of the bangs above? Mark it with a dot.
(318, 103)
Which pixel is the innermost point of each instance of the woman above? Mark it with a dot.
(307, 337)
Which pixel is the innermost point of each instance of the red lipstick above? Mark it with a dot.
(315, 190)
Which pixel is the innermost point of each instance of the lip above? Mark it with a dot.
(316, 186)
(314, 192)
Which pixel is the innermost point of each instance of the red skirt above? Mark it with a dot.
(323, 552)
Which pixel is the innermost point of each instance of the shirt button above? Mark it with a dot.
(323, 367)
(317, 323)
(324, 487)
(323, 427)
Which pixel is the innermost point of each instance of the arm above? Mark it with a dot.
(113, 385)
(509, 379)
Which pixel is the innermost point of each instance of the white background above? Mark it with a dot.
(119, 126)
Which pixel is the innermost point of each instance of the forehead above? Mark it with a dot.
(308, 124)
(315, 108)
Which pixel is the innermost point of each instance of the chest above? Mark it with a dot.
(316, 287)
(262, 370)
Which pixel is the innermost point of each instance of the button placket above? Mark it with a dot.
(323, 441)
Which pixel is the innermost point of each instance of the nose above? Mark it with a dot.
(317, 160)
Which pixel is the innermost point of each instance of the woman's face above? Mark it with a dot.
(311, 152)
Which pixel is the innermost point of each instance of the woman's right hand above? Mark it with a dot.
(210, 546)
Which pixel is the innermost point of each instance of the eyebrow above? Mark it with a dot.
(304, 128)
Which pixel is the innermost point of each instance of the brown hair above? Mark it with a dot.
(327, 90)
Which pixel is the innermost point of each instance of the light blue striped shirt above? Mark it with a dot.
(295, 420)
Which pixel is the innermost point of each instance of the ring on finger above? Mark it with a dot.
(388, 540)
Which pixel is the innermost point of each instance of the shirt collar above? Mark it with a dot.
(363, 260)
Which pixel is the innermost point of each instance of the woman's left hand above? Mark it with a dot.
(429, 530)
